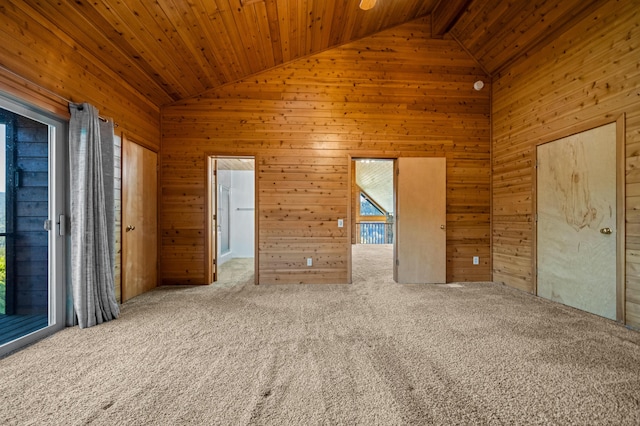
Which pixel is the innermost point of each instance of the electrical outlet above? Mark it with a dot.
(340, 223)
(309, 261)
(476, 260)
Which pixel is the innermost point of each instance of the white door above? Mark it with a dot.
(576, 229)
(421, 215)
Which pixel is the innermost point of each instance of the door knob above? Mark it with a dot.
(130, 228)
(606, 231)
(441, 226)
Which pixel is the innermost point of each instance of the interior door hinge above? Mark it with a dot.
(397, 262)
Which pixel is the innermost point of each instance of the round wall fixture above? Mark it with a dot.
(478, 85)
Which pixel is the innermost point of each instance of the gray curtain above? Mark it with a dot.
(92, 216)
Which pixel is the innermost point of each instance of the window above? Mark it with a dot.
(32, 180)
(368, 208)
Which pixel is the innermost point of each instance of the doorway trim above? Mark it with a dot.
(209, 232)
(376, 156)
(620, 203)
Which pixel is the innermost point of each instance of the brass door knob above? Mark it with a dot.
(130, 228)
(606, 231)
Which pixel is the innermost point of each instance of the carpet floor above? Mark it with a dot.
(374, 352)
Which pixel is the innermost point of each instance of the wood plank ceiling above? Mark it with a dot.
(170, 50)
(174, 49)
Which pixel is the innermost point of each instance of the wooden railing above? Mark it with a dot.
(374, 232)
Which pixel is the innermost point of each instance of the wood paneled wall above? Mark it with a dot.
(398, 93)
(39, 64)
(589, 74)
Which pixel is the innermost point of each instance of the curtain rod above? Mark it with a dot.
(79, 107)
(50, 92)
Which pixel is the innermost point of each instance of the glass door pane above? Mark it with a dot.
(225, 219)
(29, 298)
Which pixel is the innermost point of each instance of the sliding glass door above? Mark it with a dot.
(32, 224)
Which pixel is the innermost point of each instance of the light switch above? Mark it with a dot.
(340, 223)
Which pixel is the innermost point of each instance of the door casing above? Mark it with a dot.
(620, 205)
(398, 218)
(211, 208)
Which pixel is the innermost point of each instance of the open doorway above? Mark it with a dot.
(399, 206)
(372, 213)
(231, 231)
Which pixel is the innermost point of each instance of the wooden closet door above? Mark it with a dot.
(139, 220)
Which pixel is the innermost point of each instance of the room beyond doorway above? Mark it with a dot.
(373, 211)
(373, 202)
(231, 220)
(410, 214)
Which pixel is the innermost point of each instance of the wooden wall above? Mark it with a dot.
(398, 93)
(588, 74)
(42, 66)
(39, 64)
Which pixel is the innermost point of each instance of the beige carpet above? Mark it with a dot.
(374, 352)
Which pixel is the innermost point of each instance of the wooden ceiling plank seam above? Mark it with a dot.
(511, 26)
(58, 74)
(327, 21)
(303, 25)
(586, 8)
(425, 7)
(191, 35)
(235, 63)
(208, 47)
(229, 32)
(472, 20)
(445, 14)
(371, 21)
(144, 46)
(284, 22)
(272, 17)
(119, 43)
(294, 41)
(495, 17)
(101, 47)
(344, 31)
(174, 28)
(320, 13)
(269, 44)
(336, 19)
(250, 19)
(145, 22)
(243, 41)
(406, 33)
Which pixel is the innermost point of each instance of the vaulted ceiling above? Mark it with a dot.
(174, 49)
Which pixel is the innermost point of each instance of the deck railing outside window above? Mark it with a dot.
(374, 232)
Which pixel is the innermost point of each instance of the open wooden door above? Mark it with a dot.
(421, 214)
(212, 220)
(139, 219)
(577, 221)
